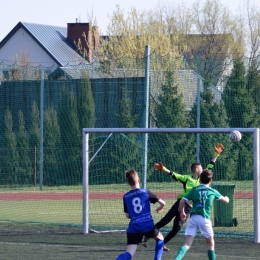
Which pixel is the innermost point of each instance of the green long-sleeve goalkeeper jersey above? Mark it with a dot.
(187, 181)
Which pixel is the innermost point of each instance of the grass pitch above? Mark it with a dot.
(37, 241)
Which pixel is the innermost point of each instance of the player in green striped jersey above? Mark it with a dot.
(188, 181)
(202, 198)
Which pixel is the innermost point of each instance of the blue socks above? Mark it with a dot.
(158, 252)
(158, 249)
(124, 256)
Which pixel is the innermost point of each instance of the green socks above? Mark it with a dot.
(184, 249)
(181, 253)
(212, 255)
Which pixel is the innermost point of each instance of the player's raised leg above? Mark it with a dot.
(183, 249)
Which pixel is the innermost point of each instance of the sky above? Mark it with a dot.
(60, 12)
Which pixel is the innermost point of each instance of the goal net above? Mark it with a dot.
(109, 152)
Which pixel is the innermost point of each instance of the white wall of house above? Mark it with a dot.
(22, 43)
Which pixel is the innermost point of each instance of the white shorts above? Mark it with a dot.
(197, 222)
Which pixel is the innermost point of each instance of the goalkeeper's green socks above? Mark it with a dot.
(181, 253)
(212, 255)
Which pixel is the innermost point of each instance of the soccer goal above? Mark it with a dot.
(109, 152)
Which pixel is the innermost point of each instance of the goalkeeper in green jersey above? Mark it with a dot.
(188, 181)
(202, 198)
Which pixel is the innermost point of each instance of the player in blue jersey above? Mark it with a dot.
(138, 209)
(188, 181)
(202, 198)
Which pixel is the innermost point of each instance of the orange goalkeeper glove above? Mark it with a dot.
(160, 167)
(218, 149)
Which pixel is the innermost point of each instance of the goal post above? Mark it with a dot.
(256, 183)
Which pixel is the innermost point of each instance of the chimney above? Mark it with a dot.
(75, 32)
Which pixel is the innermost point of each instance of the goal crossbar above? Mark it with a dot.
(85, 153)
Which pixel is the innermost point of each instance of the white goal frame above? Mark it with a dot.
(256, 155)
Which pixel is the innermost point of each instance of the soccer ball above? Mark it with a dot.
(235, 136)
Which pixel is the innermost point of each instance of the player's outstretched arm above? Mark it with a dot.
(161, 206)
(161, 167)
(218, 150)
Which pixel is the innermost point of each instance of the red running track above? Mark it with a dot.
(94, 195)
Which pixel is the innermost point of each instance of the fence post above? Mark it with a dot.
(35, 166)
(198, 118)
(41, 127)
(256, 148)
(146, 113)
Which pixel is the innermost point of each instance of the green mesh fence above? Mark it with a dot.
(232, 176)
(43, 111)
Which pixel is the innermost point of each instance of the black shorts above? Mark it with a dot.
(136, 238)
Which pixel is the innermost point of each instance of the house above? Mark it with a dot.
(46, 45)
(54, 47)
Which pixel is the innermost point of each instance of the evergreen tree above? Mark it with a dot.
(85, 104)
(253, 86)
(25, 174)
(86, 111)
(125, 149)
(126, 117)
(52, 157)
(71, 136)
(175, 150)
(34, 138)
(238, 100)
(11, 161)
(241, 112)
(213, 115)
(75, 157)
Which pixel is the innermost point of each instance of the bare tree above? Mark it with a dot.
(128, 35)
(23, 68)
(215, 39)
(252, 22)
